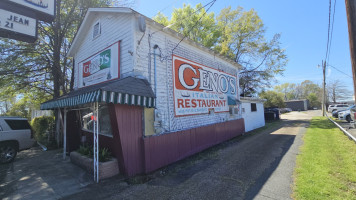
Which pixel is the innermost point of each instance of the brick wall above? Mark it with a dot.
(165, 103)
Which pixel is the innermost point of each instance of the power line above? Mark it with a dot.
(332, 30)
(196, 23)
(340, 71)
(327, 43)
(165, 8)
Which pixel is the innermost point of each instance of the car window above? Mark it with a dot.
(17, 124)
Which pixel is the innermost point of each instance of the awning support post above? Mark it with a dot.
(96, 140)
(65, 134)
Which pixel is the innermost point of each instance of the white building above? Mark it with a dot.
(161, 97)
(253, 113)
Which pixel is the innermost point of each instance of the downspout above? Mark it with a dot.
(157, 124)
(155, 67)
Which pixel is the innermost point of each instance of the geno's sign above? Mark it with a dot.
(199, 89)
(100, 67)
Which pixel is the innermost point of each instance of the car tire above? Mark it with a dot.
(8, 152)
(348, 118)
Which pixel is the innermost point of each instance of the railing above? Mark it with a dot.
(351, 137)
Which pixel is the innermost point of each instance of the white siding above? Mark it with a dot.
(254, 119)
(137, 57)
(114, 27)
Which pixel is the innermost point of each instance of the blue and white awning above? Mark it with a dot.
(130, 91)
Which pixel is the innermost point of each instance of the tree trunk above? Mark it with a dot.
(56, 68)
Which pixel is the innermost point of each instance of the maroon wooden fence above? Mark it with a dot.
(168, 148)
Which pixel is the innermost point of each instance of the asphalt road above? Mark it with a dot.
(258, 166)
(253, 166)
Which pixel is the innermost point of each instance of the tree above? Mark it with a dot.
(161, 18)
(309, 87)
(337, 91)
(194, 23)
(274, 99)
(236, 34)
(287, 89)
(44, 65)
(314, 100)
(242, 39)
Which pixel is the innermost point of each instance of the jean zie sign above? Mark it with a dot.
(199, 89)
(100, 67)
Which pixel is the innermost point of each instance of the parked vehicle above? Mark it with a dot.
(345, 115)
(353, 113)
(330, 107)
(272, 114)
(15, 135)
(335, 113)
(337, 107)
(285, 110)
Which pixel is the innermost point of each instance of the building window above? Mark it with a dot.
(104, 120)
(96, 30)
(253, 107)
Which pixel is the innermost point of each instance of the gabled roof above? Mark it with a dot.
(90, 15)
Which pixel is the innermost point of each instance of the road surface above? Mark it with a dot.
(258, 166)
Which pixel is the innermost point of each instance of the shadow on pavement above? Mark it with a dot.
(35, 174)
(236, 169)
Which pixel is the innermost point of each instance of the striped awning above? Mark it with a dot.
(138, 92)
(232, 101)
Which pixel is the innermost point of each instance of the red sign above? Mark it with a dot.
(199, 89)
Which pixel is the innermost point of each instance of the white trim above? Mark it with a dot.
(93, 28)
(65, 134)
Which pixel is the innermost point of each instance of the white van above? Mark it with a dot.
(15, 135)
(337, 107)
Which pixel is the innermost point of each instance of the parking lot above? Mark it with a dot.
(37, 174)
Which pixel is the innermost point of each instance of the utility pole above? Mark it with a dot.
(323, 64)
(351, 22)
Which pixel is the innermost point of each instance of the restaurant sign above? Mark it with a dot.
(100, 67)
(199, 89)
(16, 26)
(44, 9)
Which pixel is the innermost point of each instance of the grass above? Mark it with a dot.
(326, 166)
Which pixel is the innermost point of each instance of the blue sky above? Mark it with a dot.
(303, 25)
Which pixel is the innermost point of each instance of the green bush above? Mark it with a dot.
(41, 127)
(87, 150)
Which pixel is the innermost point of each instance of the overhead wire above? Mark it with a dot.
(332, 30)
(165, 8)
(196, 23)
(348, 75)
(327, 43)
(169, 25)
